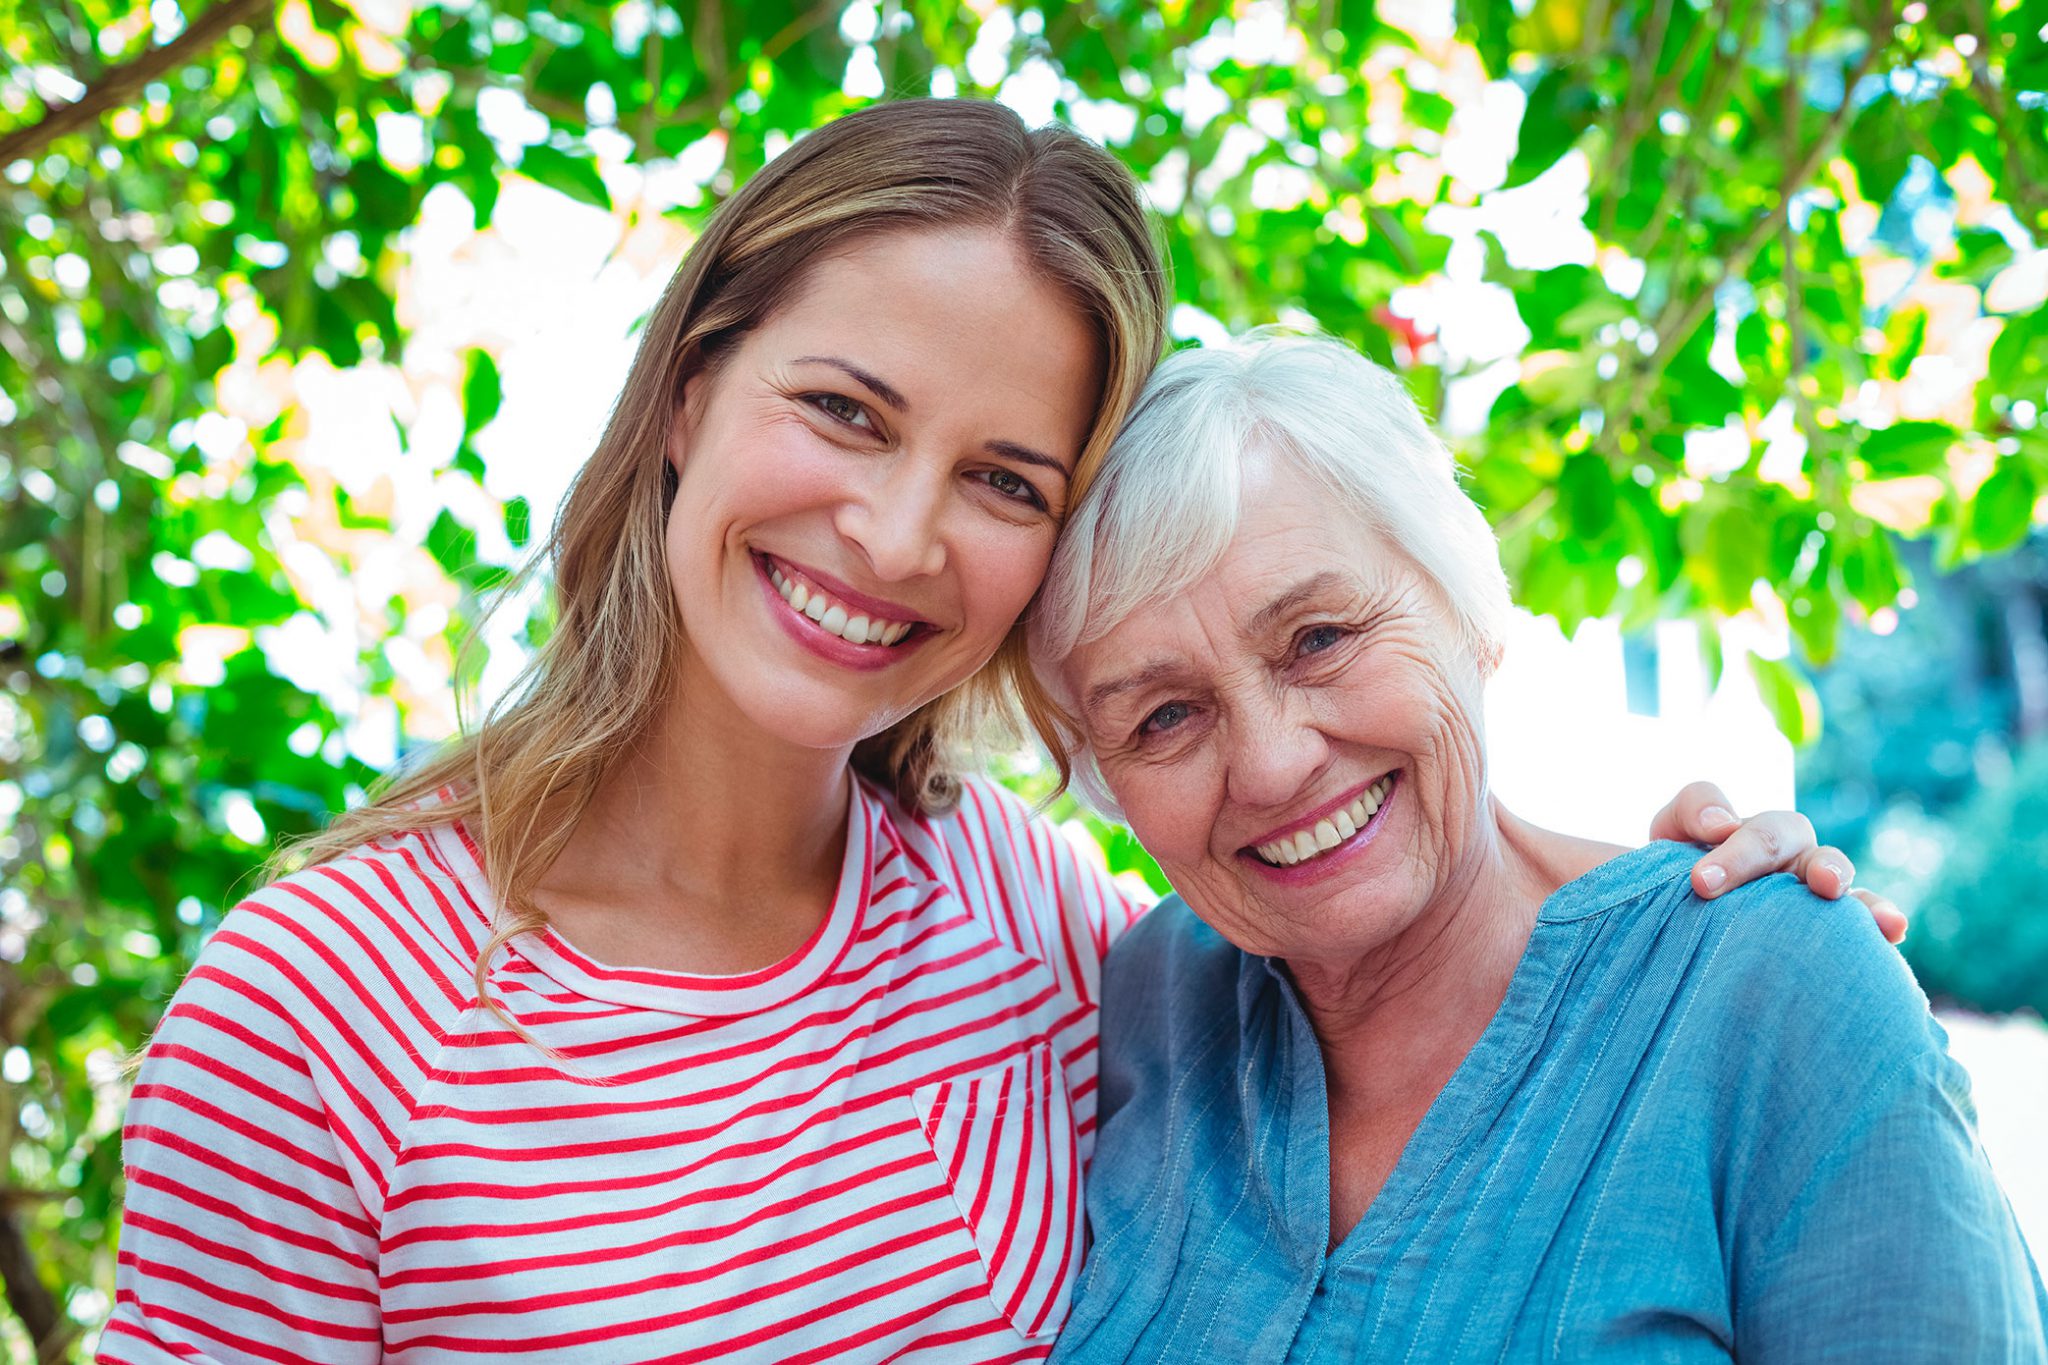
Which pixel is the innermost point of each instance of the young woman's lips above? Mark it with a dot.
(1328, 861)
(823, 635)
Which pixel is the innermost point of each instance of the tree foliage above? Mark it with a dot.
(1795, 316)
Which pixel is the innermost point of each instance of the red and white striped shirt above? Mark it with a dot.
(870, 1151)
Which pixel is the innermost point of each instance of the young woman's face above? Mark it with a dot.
(870, 483)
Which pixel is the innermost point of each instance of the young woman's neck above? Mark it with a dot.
(711, 847)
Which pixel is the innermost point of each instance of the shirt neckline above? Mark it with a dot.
(1531, 993)
(703, 995)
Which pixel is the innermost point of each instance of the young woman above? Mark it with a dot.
(691, 1008)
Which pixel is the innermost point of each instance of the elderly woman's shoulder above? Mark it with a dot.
(1773, 949)
(1170, 956)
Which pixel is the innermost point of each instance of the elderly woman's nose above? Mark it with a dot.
(1275, 752)
(896, 519)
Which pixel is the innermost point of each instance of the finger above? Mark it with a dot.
(1891, 921)
(1771, 842)
(1701, 813)
(1826, 871)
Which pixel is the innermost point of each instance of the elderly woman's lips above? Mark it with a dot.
(1329, 832)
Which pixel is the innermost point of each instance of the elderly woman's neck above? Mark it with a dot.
(1406, 1013)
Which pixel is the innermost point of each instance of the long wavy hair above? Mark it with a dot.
(522, 776)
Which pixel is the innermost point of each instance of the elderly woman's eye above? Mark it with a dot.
(840, 408)
(1319, 638)
(1165, 718)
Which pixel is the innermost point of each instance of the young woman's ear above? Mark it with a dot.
(689, 407)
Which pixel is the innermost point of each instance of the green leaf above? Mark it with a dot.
(1906, 448)
(1560, 108)
(575, 176)
(1870, 571)
(452, 544)
(1789, 697)
(482, 392)
(2003, 511)
(1586, 492)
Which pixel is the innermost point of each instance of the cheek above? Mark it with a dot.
(1171, 809)
(1000, 568)
(734, 480)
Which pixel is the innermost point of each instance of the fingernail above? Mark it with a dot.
(1717, 816)
(1841, 875)
(1714, 876)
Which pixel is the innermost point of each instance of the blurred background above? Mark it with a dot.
(309, 311)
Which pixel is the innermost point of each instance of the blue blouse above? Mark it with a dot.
(1692, 1131)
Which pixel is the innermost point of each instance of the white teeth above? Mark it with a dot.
(1330, 831)
(860, 630)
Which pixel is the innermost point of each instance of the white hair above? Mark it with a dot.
(1164, 507)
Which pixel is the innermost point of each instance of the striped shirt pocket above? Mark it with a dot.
(1005, 1139)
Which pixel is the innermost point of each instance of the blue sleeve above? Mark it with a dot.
(1869, 1227)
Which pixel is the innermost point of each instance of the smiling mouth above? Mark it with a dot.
(1330, 833)
(833, 617)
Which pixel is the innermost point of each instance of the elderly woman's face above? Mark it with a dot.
(1297, 739)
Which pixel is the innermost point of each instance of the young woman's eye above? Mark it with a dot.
(1317, 639)
(1015, 487)
(840, 408)
(1168, 717)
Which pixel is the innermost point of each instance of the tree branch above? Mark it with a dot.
(27, 1295)
(114, 89)
(2014, 138)
(1672, 335)
(1637, 112)
(1701, 117)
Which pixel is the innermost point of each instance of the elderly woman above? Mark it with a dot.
(1407, 1078)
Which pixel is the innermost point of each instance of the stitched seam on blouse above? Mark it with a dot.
(1258, 1163)
(1623, 893)
(1571, 1287)
(1187, 1078)
(1493, 1173)
(1486, 1095)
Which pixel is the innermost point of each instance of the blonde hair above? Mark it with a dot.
(523, 776)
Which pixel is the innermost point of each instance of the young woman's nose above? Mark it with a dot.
(1275, 752)
(896, 518)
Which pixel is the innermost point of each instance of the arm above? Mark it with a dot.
(245, 1235)
(1775, 841)
(1899, 1246)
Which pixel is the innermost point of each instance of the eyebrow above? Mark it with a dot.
(1026, 455)
(1308, 589)
(1155, 671)
(879, 386)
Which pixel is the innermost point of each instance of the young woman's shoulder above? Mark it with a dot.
(275, 1099)
(1039, 890)
(369, 953)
